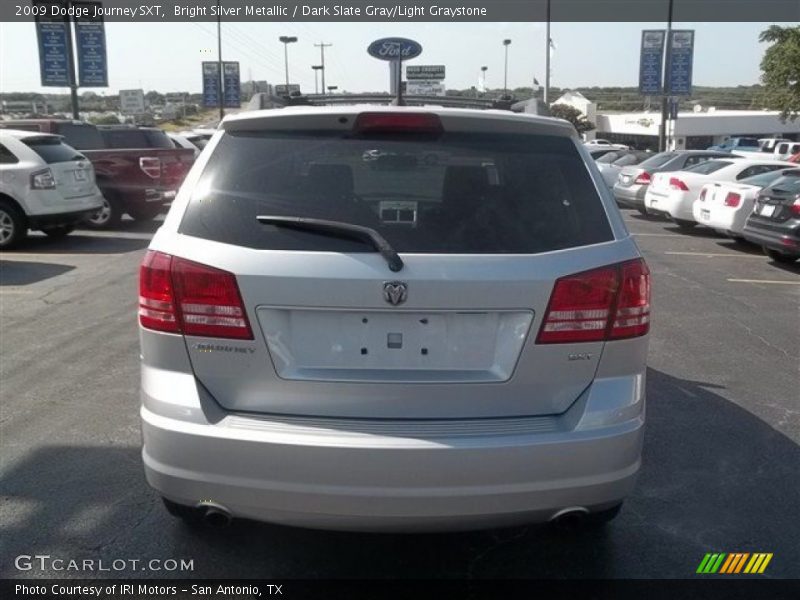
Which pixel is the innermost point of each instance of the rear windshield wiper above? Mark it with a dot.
(339, 229)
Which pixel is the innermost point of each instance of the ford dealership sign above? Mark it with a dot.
(394, 49)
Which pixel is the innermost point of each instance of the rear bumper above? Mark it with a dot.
(718, 218)
(332, 474)
(630, 196)
(786, 242)
(59, 219)
(676, 204)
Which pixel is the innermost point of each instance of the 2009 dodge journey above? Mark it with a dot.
(393, 319)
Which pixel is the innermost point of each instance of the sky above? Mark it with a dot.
(167, 56)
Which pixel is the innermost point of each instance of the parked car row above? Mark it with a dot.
(752, 199)
(776, 148)
(137, 171)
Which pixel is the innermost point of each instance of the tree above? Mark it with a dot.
(781, 70)
(105, 120)
(573, 115)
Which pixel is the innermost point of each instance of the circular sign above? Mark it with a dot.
(394, 49)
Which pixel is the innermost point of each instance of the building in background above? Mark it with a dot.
(692, 130)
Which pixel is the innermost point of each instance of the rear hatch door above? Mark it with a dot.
(483, 232)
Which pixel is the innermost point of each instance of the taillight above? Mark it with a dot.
(156, 294)
(677, 184)
(390, 122)
(180, 296)
(43, 180)
(603, 304)
(795, 207)
(732, 199)
(151, 166)
(643, 179)
(702, 196)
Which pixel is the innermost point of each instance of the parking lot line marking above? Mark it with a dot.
(44, 255)
(4, 291)
(713, 255)
(770, 281)
(658, 234)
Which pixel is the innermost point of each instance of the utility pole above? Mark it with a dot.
(506, 43)
(322, 46)
(219, 58)
(548, 43)
(317, 69)
(662, 130)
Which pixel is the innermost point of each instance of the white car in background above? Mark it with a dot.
(673, 193)
(606, 143)
(725, 207)
(44, 184)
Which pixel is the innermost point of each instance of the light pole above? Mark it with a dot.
(316, 77)
(548, 46)
(506, 43)
(221, 80)
(287, 39)
(662, 129)
(483, 78)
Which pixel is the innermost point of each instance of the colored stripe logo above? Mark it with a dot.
(734, 563)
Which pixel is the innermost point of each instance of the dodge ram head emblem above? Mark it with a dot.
(395, 292)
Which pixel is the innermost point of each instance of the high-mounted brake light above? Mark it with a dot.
(151, 166)
(608, 303)
(678, 184)
(732, 199)
(643, 178)
(378, 122)
(180, 296)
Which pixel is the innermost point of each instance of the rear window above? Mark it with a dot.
(610, 157)
(460, 193)
(658, 160)
(628, 160)
(80, 136)
(764, 179)
(789, 184)
(136, 138)
(708, 167)
(52, 150)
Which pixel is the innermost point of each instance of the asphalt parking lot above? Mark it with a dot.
(720, 463)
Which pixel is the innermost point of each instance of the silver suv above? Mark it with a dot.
(337, 332)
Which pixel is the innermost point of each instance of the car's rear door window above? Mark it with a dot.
(460, 193)
(52, 149)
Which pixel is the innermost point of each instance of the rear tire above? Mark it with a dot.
(685, 225)
(778, 257)
(145, 212)
(13, 225)
(108, 216)
(59, 232)
(643, 211)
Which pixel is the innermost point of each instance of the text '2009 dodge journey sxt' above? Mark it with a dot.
(393, 319)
